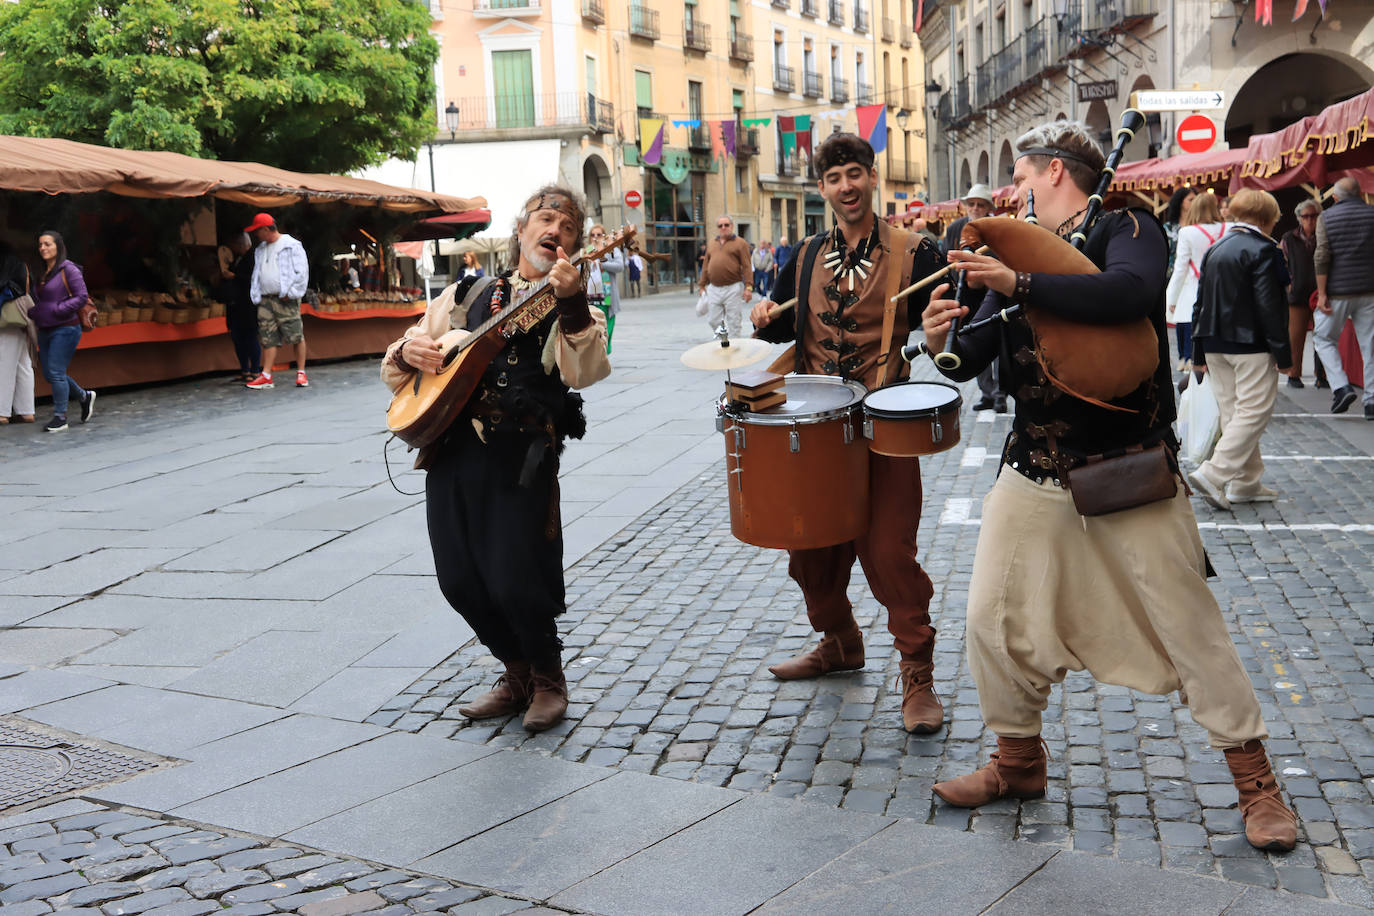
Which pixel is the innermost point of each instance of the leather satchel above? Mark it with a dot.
(87, 312)
(1138, 477)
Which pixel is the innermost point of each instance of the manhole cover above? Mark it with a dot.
(34, 765)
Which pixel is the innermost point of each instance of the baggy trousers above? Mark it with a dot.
(887, 553)
(498, 546)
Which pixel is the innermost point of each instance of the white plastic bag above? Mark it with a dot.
(1199, 421)
(702, 304)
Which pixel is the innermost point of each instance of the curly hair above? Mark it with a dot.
(842, 149)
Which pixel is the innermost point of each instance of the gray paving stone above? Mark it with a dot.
(546, 851)
(177, 875)
(102, 893)
(187, 908)
(144, 902)
(721, 856)
(1256, 902)
(27, 908)
(42, 887)
(216, 883)
(1073, 883)
(211, 849)
(368, 901)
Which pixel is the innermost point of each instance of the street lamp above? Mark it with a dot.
(451, 118)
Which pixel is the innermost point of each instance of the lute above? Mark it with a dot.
(428, 403)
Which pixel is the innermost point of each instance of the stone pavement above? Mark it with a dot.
(225, 578)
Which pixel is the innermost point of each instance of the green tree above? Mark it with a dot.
(307, 85)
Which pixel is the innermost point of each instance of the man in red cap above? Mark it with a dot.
(280, 275)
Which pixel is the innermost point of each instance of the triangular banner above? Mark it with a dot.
(651, 140)
(757, 122)
(727, 136)
(873, 125)
(695, 122)
(717, 139)
(786, 123)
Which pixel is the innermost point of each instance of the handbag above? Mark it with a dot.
(87, 312)
(15, 312)
(1138, 477)
(1199, 421)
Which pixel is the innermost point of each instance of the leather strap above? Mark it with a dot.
(896, 249)
(803, 292)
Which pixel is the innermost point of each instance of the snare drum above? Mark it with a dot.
(798, 472)
(912, 418)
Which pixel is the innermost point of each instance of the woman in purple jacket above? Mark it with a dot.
(56, 313)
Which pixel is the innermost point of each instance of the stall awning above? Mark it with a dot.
(51, 166)
(1317, 150)
(1176, 171)
(449, 226)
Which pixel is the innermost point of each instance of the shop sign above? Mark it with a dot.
(1091, 92)
(1192, 100)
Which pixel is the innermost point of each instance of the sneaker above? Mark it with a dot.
(1369, 411)
(1321, 382)
(1295, 382)
(1261, 494)
(1342, 398)
(262, 381)
(301, 380)
(56, 425)
(1209, 491)
(88, 406)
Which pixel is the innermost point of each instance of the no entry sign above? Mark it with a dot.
(633, 199)
(1196, 134)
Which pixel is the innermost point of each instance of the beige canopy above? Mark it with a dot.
(52, 166)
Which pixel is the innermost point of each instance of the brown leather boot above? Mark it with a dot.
(1016, 770)
(841, 651)
(921, 709)
(1269, 823)
(550, 700)
(510, 695)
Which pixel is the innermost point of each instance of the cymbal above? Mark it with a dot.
(730, 354)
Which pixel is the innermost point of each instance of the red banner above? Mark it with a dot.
(1316, 150)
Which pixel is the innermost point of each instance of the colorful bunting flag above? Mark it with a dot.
(1264, 12)
(920, 15)
(695, 122)
(873, 125)
(727, 136)
(803, 128)
(757, 122)
(651, 140)
(1298, 9)
(787, 126)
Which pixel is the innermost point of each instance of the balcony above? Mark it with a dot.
(746, 141)
(782, 4)
(742, 48)
(1117, 15)
(594, 11)
(836, 16)
(696, 36)
(811, 8)
(839, 89)
(905, 40)
(790, 166)
(600, 115)
(784, 79)
(889, 30)
(563, 112)
(863, 94)
(643, 23)
(811, 84)
(902, 171)
(1047, 46)
(699, 138)
(501, 9)
(861, 19)
(956, 108)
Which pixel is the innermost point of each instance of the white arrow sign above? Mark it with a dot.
(1192, 100)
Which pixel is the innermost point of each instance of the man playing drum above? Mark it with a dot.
(845, 326)
(1066, 578)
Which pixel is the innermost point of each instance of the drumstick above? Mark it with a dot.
(932, 278)
(777, 310)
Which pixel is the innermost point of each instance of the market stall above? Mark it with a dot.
(145, 333)
(1314, 152)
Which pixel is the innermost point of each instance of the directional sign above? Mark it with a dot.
(1196, 134)
(1191, 100)
(633, 199)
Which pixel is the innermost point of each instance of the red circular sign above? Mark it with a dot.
(1196, 134)
(633, 198)
(914, 205)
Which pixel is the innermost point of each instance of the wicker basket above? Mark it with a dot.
(181, 315)
(216, 309)
(145, 313)
(129, 313)
(199, 312)
(163, 314)
(112, 317)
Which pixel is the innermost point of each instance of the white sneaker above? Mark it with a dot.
(1261, 494)
(1209, 491)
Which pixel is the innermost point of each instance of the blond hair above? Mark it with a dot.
(1071, 138)
(1203, 209)
(1258, 208)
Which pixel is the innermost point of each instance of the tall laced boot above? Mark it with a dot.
(510, 695)
(1016, 770)
(839, 651)
(550, 701)
(921, 709)
(1269, 823)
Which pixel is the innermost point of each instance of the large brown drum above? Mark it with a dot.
(798, 472)
(909, 419)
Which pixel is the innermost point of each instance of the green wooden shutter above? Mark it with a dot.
(513, 77)
(644, 91)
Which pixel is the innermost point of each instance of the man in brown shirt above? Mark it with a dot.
(839, 326)
(727, 277)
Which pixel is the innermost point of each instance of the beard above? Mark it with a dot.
(537, 257)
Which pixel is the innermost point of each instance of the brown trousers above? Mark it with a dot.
(888, 556)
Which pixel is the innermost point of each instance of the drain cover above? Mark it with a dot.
(34, 765)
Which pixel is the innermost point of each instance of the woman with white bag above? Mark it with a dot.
(1202, 228)
(16, 367)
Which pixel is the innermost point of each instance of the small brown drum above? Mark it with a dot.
(912, 418)
(798, 472)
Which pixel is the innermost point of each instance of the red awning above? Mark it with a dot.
(449, 226)
(1195, 169)
(1337, 142)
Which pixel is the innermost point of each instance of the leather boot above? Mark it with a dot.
(921, 709)
(840, 651)
(1269, 823)
(510, 695)
(1016, 770)
(550, 700)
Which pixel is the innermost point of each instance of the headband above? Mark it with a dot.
(1056, 153)
(560, 203)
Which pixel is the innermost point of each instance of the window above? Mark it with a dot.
(644, 95)
(513, 82)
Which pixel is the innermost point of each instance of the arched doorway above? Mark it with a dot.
(1139, 147)
(595, 181)
(983, 168)
(1099, 123)
(1005, 163)
(1288, 89)
(965, 180)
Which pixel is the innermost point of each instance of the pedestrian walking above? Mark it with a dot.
(978, 203)
(601, 277)
(240, 315)
(280, 276)
(782, 254)
(763, 268)
(1178, 205)
(56, 313)
(1345, 291)
(1120, 593)
(1299, 250)
(727, 277)
(16, 367)
(844, 326)
(634, 269)
(471, 266)
(1202, 227)
(1242, 336)
(491, 493)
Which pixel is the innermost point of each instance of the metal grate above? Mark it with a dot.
(35, 766)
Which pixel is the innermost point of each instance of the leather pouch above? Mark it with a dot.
(1138, 477)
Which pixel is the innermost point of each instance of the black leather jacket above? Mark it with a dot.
(1240, 298)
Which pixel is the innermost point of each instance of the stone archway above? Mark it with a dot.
(1139, 147)
(1287, 89)
(1099, 122)
(1005, 162)
(596, 179)
(983, 167)
(965, 179)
